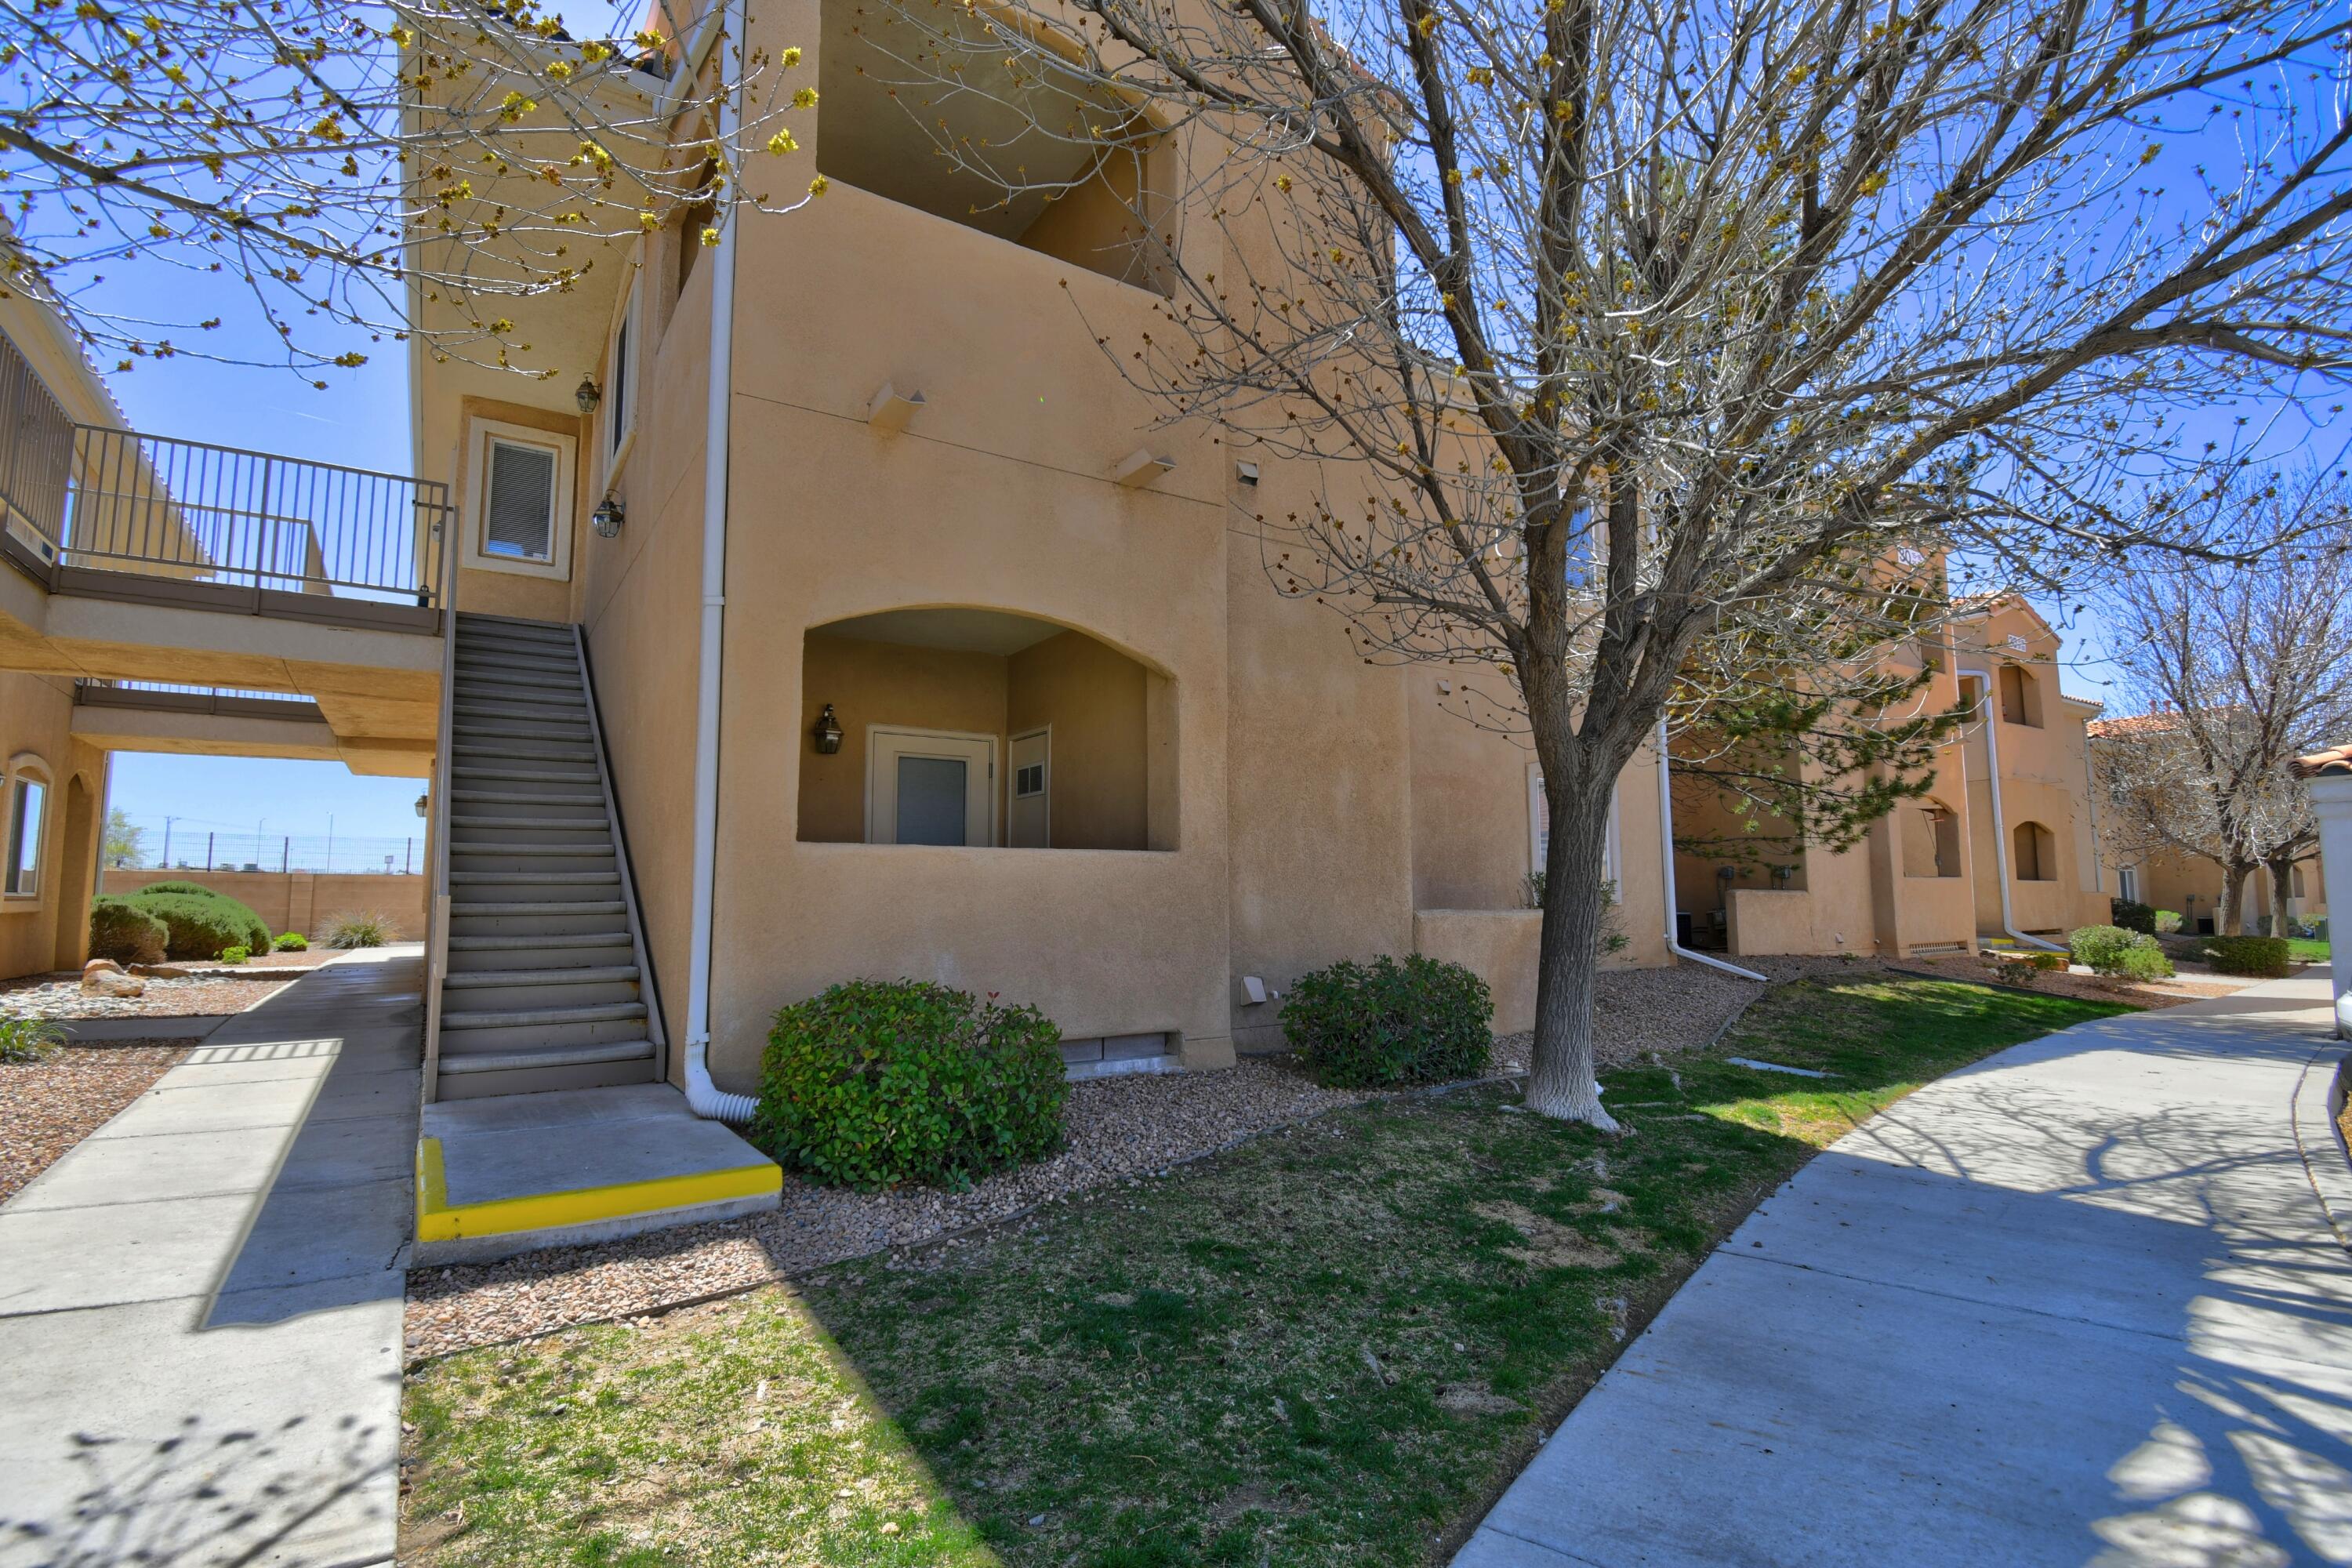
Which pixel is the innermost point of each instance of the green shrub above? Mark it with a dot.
(236, 955)
(2113, 950)
(198, 925)
(359, 928)
(24, 1041)
(2130, 916)
(196, 887)
(291, 941)
(879, 1083)
(125, 934)
(2265, 957)
(2167, 922)
(2031, 962)
(1369, 1026)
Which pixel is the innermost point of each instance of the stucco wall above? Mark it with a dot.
(296, 900)
(1472, 849)
(871, 683)
(50, 930)
(1500, 947)
(1095, 699)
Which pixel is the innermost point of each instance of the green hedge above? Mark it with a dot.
(291, 941)
(877, 1082)
(2130, 916)
(2114, 950)
(199, 925)
(2266, 957)
(125, 934)
(1359, 1025)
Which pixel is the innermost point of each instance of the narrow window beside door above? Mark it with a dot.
(25, 805)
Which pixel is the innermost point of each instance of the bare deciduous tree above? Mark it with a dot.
(323, 157)
(1639, 344)
(2234, 673)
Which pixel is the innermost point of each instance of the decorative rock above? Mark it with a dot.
(162, 972)
(111, 982)
(98, 966)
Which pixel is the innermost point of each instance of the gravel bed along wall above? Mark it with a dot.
(47, 1108)
(207, 995)
(1115, 1129)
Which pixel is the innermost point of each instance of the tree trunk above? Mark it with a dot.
(2231, 918)
(2282, 890)
(1560, 1080)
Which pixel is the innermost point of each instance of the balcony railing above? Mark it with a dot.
(118, 500)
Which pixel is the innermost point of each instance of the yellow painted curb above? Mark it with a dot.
(437, 1220)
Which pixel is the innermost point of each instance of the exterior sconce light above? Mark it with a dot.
(588, 394)
(607, 518)
(1141, 467)
(890, 409)
(827, 732)
(423, 801)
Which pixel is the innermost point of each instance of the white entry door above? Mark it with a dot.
(1029, 805)
(930, 787)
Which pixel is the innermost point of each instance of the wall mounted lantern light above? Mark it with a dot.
(827, 732)
(423, 801)
(588, 394)
(607, 518)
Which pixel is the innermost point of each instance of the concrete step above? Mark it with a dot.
(548, 879)
(498, 990)
(480, 888)
(512, 664)
(525, 623)
(463, 821)
(578, 774)
(497, 699)
(478, 750)
(534, 1082)
(509, 1174)
(473, 674)
(541, 801)
(477, 954)
(500, 731)
(535, 917)
(548, 1056)
(490, 649)
(584, 849)
(475, 628)
(468, 1032)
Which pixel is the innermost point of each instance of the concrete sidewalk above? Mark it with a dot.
(2078, 1304)
(200, 1306)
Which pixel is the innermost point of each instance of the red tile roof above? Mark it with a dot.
(2133, 724)
(2336, 760)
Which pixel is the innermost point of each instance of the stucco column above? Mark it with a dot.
(2331, 797)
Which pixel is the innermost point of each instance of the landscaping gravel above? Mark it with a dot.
(47, 1108)
(211, 995)
(1127, 1129)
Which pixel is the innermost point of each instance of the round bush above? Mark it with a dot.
(2266, 957)
(2113, 950)
(1360, 1026)
(291, 941)
(200, 924)
(196, 887)
(2133, 916)
(877, 1082)
(125, 934)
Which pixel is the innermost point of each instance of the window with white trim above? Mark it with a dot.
(1539, 828)
(28, 797)
(2128, 884)
(521, 503)
(622, 351)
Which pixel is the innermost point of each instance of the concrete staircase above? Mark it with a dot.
(547, 983)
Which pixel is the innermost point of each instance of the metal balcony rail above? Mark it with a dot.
(129, 690)
(118, 500)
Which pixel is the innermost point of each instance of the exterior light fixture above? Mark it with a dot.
(607, 518)
(827, 732)
(1141, 467)
(587, 394)
(890, 409)
(423, 801)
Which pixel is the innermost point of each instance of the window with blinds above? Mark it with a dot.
(519, 518)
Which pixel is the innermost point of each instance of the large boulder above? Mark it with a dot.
(97, 981)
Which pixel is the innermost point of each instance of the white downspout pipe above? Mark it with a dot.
(704, 1097)
(2000, 823)
(1667, 864)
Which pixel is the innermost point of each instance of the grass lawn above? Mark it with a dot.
(2307, 950)
(1332, 1346)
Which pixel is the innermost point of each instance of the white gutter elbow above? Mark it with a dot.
(1666, 862)
(2000, 824)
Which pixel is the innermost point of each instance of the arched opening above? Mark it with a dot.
(2035, 853)
(2020, 697)
(1931, 840)
(981, 729)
